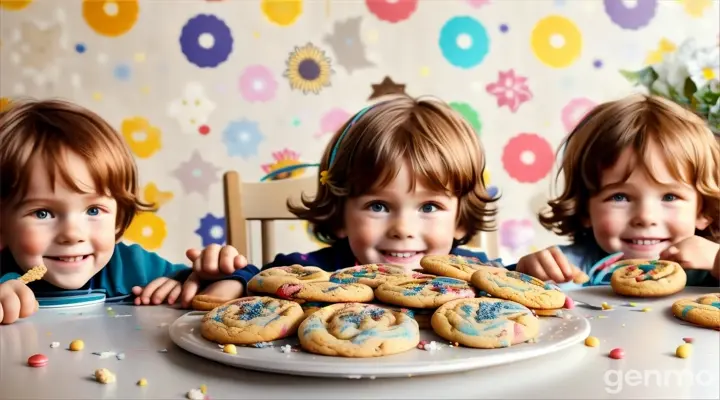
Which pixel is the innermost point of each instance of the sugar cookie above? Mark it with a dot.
(358, 330)
(647, 278)
(429, 292)
(34, 274)
(458, 267)
(372, 275)
(485, 323)
(516, 286)
(249, 320)
(703, 311)
(269, 280)
(203, 302)
(327, 292)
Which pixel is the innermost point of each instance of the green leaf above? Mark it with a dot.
(647, 76)
(689, 88)
(632, 76)
(706, 95)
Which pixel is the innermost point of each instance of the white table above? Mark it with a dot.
(649, 370)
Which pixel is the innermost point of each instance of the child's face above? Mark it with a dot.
(398, 226)
(71, 233)
(640, 217)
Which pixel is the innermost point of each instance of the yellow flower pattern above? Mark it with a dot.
(148, 230)
(142, 138)
(696, 8)
(664, 48)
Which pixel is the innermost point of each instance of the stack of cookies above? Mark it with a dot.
(378, 309)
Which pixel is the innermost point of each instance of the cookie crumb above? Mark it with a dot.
(429, 346)
(195, 394)
(646, 309)
(286, 348)
(54, 345)
(203, 389)
(632, 304)
(606, 306)
(103, 375)
(142, 382)
(162, 351)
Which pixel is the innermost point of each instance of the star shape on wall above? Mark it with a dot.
(196, 175)
(386, 87)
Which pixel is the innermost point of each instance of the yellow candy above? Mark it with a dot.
(606, 306)
(633, 304)
(77, 345)
(230, 349)
(684, 350)
(592, 341)
(203, 389)
(647, 309)
(142, 382)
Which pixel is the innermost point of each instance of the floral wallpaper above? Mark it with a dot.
(199, 87)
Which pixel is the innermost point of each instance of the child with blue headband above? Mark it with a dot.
(402, 179)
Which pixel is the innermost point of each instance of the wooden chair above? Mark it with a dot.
(267, 202)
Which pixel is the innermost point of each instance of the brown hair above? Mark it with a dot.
(46, 129)
(691, 151)
(441, 147)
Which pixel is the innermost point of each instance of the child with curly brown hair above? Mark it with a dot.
(642, 179)
(400, 180)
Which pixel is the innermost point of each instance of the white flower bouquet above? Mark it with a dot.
(690, 76)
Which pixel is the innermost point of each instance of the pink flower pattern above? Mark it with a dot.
(511, 90)
(478, 3)
(257, 84)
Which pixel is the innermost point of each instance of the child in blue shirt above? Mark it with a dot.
(641, 179)
(400, 180)
(68, 189)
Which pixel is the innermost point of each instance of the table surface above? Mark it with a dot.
(649, 369)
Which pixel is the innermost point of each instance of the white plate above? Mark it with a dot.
(555, 334)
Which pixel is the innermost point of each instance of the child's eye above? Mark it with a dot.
(428, 208)
(618, 197)
(93, 211)
(42, 214)
(377, 207)
(670, 197)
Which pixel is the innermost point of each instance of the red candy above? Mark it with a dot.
(37, 361)
(569, 303)
(617, 353)
(688, 340)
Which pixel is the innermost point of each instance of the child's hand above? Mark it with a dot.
(157, 291)
(16, 301)
(548, 264)
(216, 261)
(694, 252)
(226, 289)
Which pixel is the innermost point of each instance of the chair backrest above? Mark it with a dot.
(267, 202)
